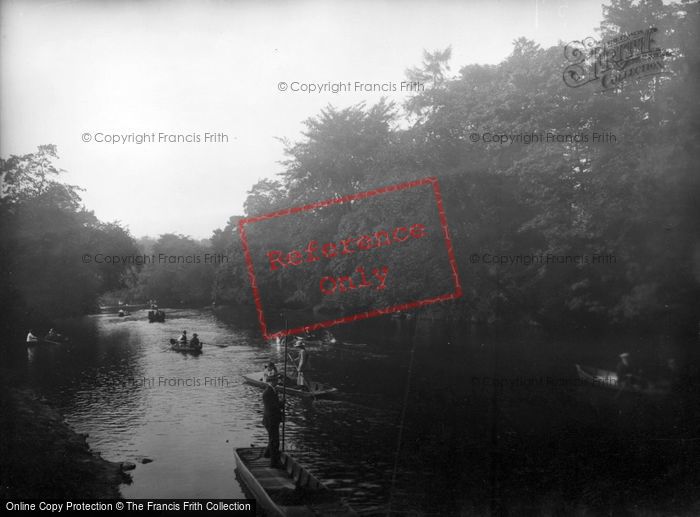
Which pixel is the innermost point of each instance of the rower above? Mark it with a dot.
(31, 338)
(183, 337)
(627, 376)
(52, 334)
(195, 342)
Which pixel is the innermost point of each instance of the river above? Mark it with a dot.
(415, 429)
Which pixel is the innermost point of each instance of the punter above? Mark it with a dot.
(270, 373)
(302, 363)
(273, 410)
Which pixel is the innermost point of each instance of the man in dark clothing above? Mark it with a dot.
(272, 417)
(624, 371)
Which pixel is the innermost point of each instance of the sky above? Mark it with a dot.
(74, 73)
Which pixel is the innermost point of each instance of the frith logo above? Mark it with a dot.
(611, 62)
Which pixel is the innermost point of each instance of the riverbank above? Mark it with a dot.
(43, 457)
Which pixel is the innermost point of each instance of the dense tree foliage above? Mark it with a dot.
(46, 233)
(634, 199)
(179, 271)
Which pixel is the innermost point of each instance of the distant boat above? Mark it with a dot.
(608, 380)
(288, 491)
(156, 316)
(318, 338)
(316, 389)
(185, 347)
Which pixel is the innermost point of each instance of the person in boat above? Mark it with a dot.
(273, 409)
(627, 377)
(52, 335)
(31, 338)
(183, 338)
(195, 342)
(302, 364)
(270, 374)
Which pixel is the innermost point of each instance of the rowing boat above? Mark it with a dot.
(316, 389)
(288, 491)
(608, 379)
(185, 347)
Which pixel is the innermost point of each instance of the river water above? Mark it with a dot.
(415, 429)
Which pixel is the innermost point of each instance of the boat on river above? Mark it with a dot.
(288, 491)
(179, 346)
(156, 316)
(608, 380)
(315, 389)
(317, 338)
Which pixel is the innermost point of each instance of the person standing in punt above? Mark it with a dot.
(624, 371)
(302, 364)
(273, 409)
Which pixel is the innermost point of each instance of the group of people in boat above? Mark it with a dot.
(301, 364)
(191, 343)
(273, 406)
(51, 335)
(155, 314)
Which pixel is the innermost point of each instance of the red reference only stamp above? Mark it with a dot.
(392, 258)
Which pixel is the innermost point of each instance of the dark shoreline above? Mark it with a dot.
(43, 458)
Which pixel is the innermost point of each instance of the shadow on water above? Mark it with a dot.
(485, 423)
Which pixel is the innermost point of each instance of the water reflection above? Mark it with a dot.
(120, 382)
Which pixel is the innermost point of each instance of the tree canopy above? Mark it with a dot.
(46, 235)
(633, 199)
